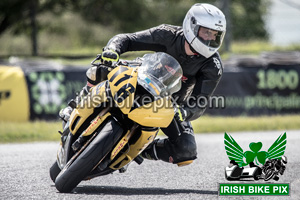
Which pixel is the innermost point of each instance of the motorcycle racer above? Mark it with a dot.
(195, 46)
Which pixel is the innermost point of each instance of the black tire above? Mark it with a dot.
(269, 174)
(276, 178)
(228, 178)
(257, 173)
(256, 177)
(54, 171)
(76, 170)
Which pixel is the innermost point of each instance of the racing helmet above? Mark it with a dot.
(160, 74)
(207, 16)
(284, 159)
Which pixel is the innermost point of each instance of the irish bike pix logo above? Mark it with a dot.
(254, 163)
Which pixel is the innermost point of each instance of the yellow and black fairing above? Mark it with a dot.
(123, 84)
(141, 120)
(89, 114)
(85, 119)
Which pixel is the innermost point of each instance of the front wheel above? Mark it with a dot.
(269, 174)
(54, 171)
(79, 167)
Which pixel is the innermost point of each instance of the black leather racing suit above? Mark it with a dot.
(200, 78)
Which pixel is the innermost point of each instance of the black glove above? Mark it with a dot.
(180, 114)
(109, 56)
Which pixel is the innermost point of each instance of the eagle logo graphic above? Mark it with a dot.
(243, 158)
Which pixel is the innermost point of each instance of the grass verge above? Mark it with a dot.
(12, 132)
(232, 124)
(29, 131)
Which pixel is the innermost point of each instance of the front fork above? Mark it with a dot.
(146, 137)
(65, 152)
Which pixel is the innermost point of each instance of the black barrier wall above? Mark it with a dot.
(51, 90)
(48, 86)
(259, 90)
(251, 87)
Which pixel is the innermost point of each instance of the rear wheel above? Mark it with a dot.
(257, 173)
(79, 167)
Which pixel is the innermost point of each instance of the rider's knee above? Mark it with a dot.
(187, 148)
(186, 151)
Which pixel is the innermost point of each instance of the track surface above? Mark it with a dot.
(24, 172)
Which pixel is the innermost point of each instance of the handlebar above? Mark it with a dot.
(101, 63)
(98, 57)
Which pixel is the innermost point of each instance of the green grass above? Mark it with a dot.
(257, 46)
(29, 131)
(48, 131)
(232, 124)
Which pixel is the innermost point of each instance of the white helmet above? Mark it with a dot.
(208, 16)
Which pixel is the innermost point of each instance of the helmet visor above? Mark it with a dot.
(209, 37)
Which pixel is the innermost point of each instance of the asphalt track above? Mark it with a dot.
(24, 172)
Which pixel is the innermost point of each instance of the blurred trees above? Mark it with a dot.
(20, 16)
(134, 15)
(247, 19)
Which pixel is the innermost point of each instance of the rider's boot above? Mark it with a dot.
(150, 152)
(65, 113)
(180, 149)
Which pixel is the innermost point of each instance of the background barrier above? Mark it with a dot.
(250, 86)
(253, 86)
(14, 100)
(37, 90)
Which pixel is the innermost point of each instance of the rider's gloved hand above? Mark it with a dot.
(109, 56)
(180, 114)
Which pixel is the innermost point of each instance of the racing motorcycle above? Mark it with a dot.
(273, 168)
(119, 118)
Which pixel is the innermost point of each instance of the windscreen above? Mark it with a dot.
(160, 74)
